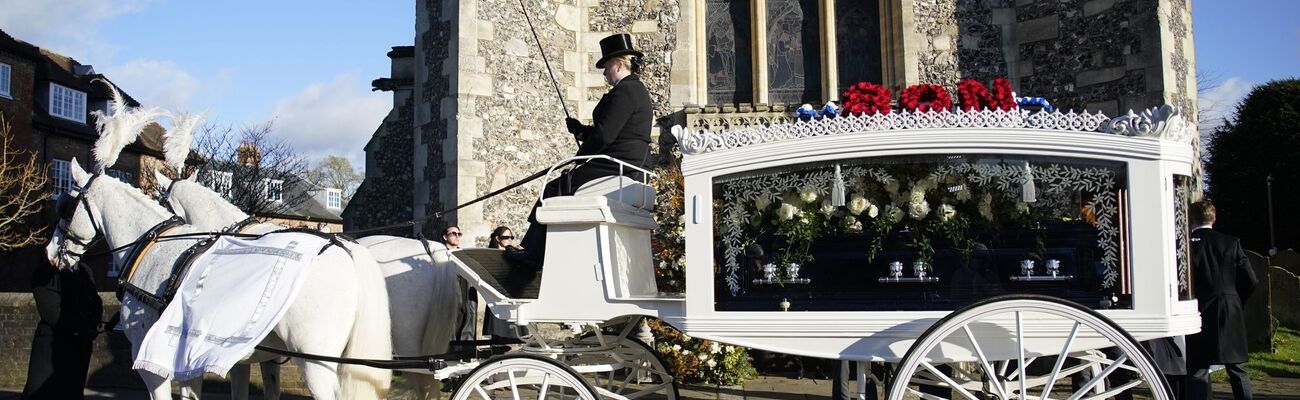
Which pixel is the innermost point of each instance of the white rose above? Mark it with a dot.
(715, 347)
(827, 208)
(946, 212)
(787, 212)
(872, 211)
(852, 224)
(762, 202)
(686, 352)
(892, 187)
(808, 195)
(677, 347)
(858, 204)
(917, 195)
(704, 357)
(893, 213)
(1023, 207)
(963, 195)
(711, 363)
(918, 210)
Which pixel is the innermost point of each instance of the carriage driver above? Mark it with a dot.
(620, 128)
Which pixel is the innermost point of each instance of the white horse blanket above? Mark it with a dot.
(227, 303)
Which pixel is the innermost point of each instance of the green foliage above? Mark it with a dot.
(1262, 139)
(701, 361)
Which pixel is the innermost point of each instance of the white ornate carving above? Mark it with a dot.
(1164, 123)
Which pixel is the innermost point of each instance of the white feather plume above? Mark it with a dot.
(176, 147)
(119, 129)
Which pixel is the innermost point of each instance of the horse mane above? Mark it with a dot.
(118, 129)
(176, 147)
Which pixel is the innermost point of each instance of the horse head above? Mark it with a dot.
(77, 229)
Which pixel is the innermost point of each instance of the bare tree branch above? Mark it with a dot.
(336, 172)
(254, 164)
(22, 194)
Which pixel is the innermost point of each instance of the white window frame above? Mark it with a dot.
(268, 183)
(60, 177)
(6, 75)
(333, 198)
(67, 103)
(221, 182)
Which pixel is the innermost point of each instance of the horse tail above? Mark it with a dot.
(440, 324)
(371, 337)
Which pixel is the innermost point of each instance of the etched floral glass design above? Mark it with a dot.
(970, 220)
(1183, 188)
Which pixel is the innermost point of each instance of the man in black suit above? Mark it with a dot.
(1222, 280)
(621, 129)
(70, 312)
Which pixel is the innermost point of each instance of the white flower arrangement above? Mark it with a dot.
(873, 211)
(918, 208)
(808, 195)
(893, 214)
(986, 207)
(1022, 207)
(787, 211)
(858, 204)
(762, 202)
(827, 209)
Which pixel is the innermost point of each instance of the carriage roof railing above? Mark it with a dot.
(1164, 123)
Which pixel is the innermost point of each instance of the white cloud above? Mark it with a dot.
(162, 83)
(336, 117)
(70, 27)
(1221, 101)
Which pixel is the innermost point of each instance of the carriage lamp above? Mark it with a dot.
(1053, 267)
(918, 268)
(784, 304)
(1027, 267)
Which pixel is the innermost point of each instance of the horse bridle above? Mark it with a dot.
(166, 195)
(66, 206)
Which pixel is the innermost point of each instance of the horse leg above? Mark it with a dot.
(159, 388)
(270, 380)
(239, 381)
(322, 378)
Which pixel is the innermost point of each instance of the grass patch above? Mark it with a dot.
(1285, 363)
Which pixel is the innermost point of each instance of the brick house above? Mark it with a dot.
(47, 99)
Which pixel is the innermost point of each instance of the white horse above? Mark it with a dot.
(422, 291)
(338, 311)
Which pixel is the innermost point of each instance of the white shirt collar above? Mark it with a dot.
(1206, 226)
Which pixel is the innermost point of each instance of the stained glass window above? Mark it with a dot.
(730, 72)
(793, 51)
(857, 42)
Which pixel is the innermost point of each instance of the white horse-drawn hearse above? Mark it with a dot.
(989, 254)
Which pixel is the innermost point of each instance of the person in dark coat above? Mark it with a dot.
(1222, 280)
(621, 124)
(70, 310)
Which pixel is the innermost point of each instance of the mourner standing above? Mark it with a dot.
(1222, 280)
(620, 129)
(70, 312)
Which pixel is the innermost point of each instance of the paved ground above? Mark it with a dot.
(763, 388)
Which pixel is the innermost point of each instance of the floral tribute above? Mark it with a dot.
(925, 97)
(974, 95)
(865, 98)
(701, 361)
(1003, 97)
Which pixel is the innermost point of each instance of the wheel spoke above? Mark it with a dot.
(994, 379)
(546, 384)
(1112, 392)
(514, 386)
(483, 393)
(949, 381)
(1100, 377)
(1060, 360)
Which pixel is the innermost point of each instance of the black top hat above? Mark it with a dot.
(614, 46)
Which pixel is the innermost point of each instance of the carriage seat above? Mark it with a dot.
(612, 198)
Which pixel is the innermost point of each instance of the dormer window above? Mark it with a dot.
(6, 71)
(274, 189)
(67, 103)
(334, 199)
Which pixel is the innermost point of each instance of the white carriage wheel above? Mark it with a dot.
(1007, 376)
(523, 377)
(643, 374)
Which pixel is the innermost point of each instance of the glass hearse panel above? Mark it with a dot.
(933, 232)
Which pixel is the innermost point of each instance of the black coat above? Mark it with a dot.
(1222, 280)
(70, 311)
(621, 124)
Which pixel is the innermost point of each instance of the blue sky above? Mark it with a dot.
(308, 64)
